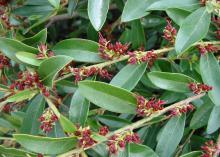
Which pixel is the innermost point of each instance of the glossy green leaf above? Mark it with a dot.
(46, 145)
(72, 6)
(171, 136)
(67, 125)
(201, 116)
(193, 29)
(213, 123)
(80, 49)
(210, 72)
(49, 68)
(37, 39)
(131, 13)
(31, 124)
(97, 11)
(129, 76)
(55, 3)
(28, 58)
(138, 150)
(113, 122)
(177, 15)
(13, 152)
(170, 81)
(22, 95)
(135, 35)
(192, 154)
(79, 109)
(9, 47)
(108, 97)
(189, 5)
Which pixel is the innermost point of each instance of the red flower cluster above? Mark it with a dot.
(5, 19)
(4, 61)
(8, 107)
(147, 107)
(119, 141)
(44, 52)
(110, 51)
(27, 80)
(3, 2)
(170, 32)
(198, 88)
(180, 110)
(103, 130)
(203, 49)
(47, 119)
(209, 149)
(83, 72)
(85, 137)
(138, 57)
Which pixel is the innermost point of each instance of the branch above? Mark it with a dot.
(139, 123)
(125, 57)
(60, 18)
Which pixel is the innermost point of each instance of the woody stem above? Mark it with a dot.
(125, 57)
(139, 123)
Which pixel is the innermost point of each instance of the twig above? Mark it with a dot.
(60, 18)
(183, 145)
(138, 124)
(108, 63)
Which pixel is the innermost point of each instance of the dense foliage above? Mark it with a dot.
(99, 78)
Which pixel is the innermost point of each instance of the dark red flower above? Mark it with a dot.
(170, 32)
(109, 51)
(147, 107)
(203, 49)
(209, 149)
(120, 140)
(47, 120)
(138, 57)
(182, 109)
(85, 137)
(198, 88)
(103, 130)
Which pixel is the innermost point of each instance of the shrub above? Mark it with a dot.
(98, 78)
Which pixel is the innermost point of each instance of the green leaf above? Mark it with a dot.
(171, 136)
(28, 58)
(30, 124)
(192, 154)
(138, 150)
(22, 95)
(170, 81)
(49, 68)
(9, 47)
(46, 145)
(108, 97)
(67, 125)
(80, 49)
(129, 76)
(6, 124)
(72, 6)
(12, 152)
(210, 72)
(135, 9)
(55, 3)
(97, 11)
(38, 38)
(134, 35)
(188, 5)
(177, 15)
(113, 122)
(193, 29)
(79, 109)
(213, 123)
(201, 116)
